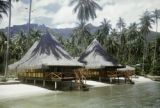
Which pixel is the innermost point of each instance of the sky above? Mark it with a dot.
(58, 13)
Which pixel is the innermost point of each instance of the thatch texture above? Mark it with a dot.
(96, 57)
(127, 68)
(45, 52)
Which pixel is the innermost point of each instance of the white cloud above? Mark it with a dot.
(130, 10)
(64, 16)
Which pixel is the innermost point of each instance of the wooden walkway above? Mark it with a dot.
(53, 77)
(107, 74)
(79, 76)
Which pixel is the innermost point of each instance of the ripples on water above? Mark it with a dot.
(119, 96)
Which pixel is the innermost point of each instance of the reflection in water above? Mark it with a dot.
(119, 96)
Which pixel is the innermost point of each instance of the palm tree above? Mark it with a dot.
(121, 24)
(85, 9)
(8, 37)
(103, 32)
(156, 16)
(29, 21)
(3, 40)
(132, 35)
(106, 26)
(81, 36)
(3, 7)
(146, 24)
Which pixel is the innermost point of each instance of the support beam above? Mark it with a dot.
(55, 85)
(100, 79)
(118, 80)
(44, 83)
(71, 85)
(26, 80)
(110, 80)
(34, 82)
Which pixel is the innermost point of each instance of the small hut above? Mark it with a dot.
(97, 62)
(46, 60)
(126, 71)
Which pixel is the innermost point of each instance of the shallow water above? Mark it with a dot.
(145, 95)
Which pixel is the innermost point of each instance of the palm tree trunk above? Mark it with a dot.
(8, 39)
(129, 56)
(30, 10)
(154, 56)
(144, 55)
(143, 61)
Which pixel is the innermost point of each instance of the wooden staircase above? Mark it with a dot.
(80, 80)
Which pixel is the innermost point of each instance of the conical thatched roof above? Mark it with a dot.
(45, 52)
(96, 57)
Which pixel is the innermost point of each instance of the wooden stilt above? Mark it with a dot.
(110, 80)
(118, 80)
(55, 85)
(44, 83)
(34, 82)
(71, 86)
(26, 80)
(100, 79)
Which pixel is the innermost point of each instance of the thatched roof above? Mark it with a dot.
(96, 57)
(45, 52)
(127, 68)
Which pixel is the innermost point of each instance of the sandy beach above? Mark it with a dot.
(23, 90)
(137, 80)
(96, 84)
(141, 79)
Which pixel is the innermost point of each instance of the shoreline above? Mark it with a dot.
(141, 79)
(154, 78)
(16, 91)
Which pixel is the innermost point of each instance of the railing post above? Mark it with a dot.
(55, 85)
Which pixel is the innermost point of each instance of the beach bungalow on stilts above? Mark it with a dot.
(126, 72)
(46, 60)
(98, 63)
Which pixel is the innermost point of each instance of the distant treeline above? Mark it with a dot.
(128, 44)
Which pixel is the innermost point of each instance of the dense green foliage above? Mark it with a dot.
(18, 46)
(128, 44)
(4, 5)
(85, 9)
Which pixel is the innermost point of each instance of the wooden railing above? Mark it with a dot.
(46, 75)
(102, 73)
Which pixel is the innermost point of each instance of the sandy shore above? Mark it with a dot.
(141, 79)
(137, 80)
(96, 83)
(22, 90)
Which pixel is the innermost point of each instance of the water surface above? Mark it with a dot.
(145, 95)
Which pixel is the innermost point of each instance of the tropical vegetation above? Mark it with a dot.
(128, 44)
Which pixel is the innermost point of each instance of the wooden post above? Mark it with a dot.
(99, 78)
(44, 83)
(34, 82)
(118, 80)
(26, 80)
(110, 79)
(71, 86)
(55, 85)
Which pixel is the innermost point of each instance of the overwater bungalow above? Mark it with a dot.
(46, 60)
(99, 63)
(126, 72)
